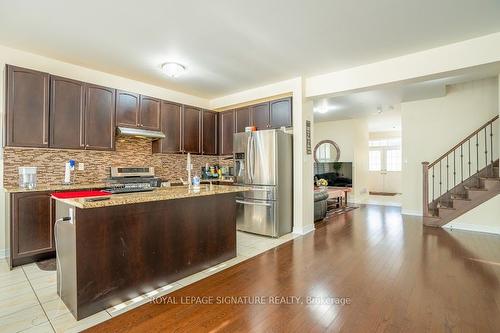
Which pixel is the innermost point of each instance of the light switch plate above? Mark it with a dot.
(81, 166)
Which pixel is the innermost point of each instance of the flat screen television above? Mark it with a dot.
(337, 174)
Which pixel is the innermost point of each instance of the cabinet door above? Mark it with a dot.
(32, 228)
(99, 118)
(149, 115)
(27, 113)
(226, 132)
(242, 119)
(260, 115)
(209, 145)
(171, 124)
(67, 100)
(191, 130)
(281, 113)
(127, 109)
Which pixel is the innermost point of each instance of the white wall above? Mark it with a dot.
(352, 138)
(483, 218)
(432, 127)
(33, 61)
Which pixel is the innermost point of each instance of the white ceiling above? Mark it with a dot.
(232, 45)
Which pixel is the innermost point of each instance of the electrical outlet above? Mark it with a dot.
(81, 166)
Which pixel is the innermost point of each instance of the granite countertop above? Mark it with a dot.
(60, 187)
(159, 194)
(84, 186)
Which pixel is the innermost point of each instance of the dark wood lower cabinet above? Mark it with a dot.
(31, 227)
(111, 254)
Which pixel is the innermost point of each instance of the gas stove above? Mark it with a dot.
(132, 179)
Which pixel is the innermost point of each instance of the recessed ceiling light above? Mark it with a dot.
(321, 109)
(173, 69)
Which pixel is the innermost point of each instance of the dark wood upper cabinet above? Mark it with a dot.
(191, 138)
(149, 114)
(127, 108)
(67, 113)
(171, 125)
(243, 118)
(281, 113)
(260, 115)
(31, 227)
(99, 118)
(209, 139)
(27, 113)
(226, 132)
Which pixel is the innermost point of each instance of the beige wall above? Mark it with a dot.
(352, 138)
(431, 127)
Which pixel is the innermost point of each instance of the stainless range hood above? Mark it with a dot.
(139, 133)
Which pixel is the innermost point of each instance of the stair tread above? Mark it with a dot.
(476, 189)
(463, 199)
(490, 178)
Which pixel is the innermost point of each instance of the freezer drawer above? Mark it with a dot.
(260, 193)
(257, 216)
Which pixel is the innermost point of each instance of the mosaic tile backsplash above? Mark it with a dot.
(129, 152)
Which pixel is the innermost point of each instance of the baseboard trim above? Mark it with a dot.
(303, 230)
(4, 253)
(411, 212)
(473, 227)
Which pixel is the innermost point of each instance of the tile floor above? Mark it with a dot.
(29, 301)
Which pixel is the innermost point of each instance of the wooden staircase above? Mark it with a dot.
(463, 178)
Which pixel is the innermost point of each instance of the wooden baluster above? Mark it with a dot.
(425, 188)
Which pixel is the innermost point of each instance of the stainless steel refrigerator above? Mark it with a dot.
(263, 161)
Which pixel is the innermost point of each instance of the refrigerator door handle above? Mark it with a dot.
(253, 203)
(252, 147)
(247, 159)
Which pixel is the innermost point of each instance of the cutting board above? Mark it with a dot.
(80, 194)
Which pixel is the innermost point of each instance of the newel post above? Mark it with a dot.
(425, 188)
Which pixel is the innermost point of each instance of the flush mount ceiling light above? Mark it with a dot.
(321, 109)
(173, 69)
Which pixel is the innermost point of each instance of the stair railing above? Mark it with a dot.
(466, 159)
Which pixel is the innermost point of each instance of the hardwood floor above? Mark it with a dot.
(398, 275)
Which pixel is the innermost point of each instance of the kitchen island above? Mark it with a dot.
(114, 250)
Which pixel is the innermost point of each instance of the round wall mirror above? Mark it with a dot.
(326, 151)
